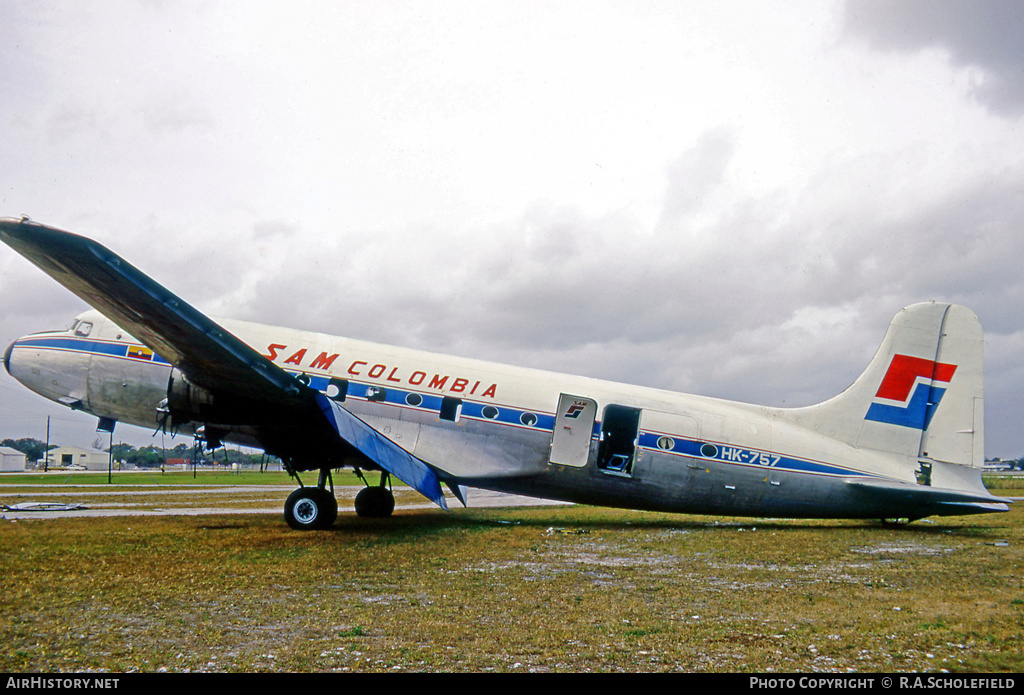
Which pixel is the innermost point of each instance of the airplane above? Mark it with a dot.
(904, 442)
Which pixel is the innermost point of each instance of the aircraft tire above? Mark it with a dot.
(375, 503)
(310, 508)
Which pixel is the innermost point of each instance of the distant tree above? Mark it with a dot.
(122, 452)
(154, 456)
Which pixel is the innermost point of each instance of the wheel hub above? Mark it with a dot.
(306, 511)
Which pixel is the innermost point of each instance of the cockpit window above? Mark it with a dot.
(83, 328)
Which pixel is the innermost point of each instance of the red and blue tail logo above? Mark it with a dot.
(910, 391)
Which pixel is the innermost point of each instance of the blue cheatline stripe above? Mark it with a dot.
(88, 346)
(506, 415)
(738, 455)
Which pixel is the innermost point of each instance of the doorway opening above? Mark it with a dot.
(619, 429)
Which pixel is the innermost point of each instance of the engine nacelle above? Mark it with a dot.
(187, 402)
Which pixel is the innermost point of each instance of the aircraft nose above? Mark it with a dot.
(7, 357)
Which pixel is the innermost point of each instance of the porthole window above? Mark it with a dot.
(414, 399)
(528, 419)
(666, 443)
(709, 450)
(490, 412)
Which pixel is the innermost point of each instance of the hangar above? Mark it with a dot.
(67, 456)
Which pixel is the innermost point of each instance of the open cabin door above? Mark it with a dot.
(574, 428)
(620, 429)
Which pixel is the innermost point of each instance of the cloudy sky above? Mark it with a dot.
(730, 199)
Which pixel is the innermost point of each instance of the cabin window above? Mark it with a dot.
(619, 429)
(528, 419)
(337, 389)
(490, 412)
(414, 399)
(666, 443)
(375, 394)
(451, 408)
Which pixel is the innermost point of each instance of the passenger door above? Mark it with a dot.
(574, 428)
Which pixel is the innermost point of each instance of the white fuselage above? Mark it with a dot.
(500, 427)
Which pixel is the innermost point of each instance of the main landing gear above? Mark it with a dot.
(376, 502)
(312, 508)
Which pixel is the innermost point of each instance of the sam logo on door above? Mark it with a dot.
(575, 409)
(910, 391)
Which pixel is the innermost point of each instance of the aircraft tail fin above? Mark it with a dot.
(921, 397)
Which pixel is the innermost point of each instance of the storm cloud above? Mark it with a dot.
(727, 200)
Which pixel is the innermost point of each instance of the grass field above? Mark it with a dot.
(533, 589)
(214, 476)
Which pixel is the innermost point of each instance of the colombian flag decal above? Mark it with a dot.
(140, 353)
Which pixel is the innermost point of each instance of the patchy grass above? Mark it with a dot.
(1004, 482)
(532, 589)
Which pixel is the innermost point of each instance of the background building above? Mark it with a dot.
(11, 459)
(67, 456)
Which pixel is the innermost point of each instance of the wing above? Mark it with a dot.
(207, 354)
(210, 356)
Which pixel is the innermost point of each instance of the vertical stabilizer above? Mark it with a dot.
(920, 397)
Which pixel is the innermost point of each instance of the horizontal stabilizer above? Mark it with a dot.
(935, 500)
(382, 451)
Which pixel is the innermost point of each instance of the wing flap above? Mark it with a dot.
(382, 451)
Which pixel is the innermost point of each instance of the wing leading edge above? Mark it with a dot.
(206, 353)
